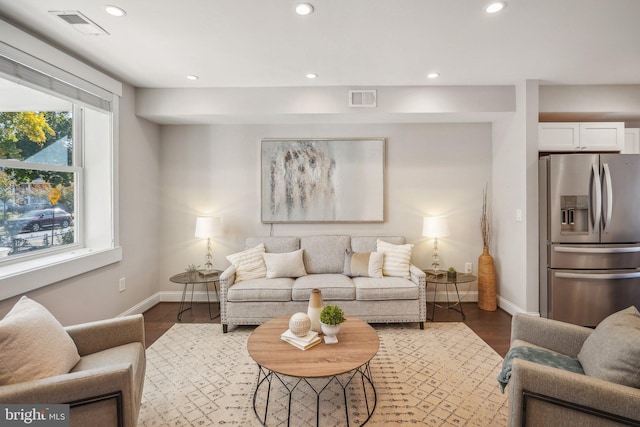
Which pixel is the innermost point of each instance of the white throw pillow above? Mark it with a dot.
(397, 259)
(288, 264)
(249, 264)
(33, 344)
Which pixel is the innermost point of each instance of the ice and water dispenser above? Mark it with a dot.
(574, 214)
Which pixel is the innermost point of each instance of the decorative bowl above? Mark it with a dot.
(300, 324)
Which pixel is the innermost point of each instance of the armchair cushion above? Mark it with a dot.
(33, 344)
(612, 351)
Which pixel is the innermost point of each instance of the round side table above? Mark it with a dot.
(444, 280)
(202, 277)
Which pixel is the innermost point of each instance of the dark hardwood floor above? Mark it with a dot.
(494, 327)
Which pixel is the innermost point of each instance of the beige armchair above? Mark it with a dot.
(105, 387)
(544, 396)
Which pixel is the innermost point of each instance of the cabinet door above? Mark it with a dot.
(599, 136)
(558, 136)
(631, 141)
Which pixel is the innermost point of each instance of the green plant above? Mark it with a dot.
(452, 269)
(332, 315)
(192, 269)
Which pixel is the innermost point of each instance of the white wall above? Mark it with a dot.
(95, 295)
(431, 169)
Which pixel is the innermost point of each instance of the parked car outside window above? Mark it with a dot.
(38, 219)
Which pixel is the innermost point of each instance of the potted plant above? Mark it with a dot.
(331, 317)
(192, 270)
(451, 273)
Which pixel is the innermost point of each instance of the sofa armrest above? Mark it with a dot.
(551, 334)
(418, 276)
(100, 335)
(562, 392)
(227, 279)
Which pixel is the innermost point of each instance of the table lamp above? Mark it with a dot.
(434, 226)
(208, 227)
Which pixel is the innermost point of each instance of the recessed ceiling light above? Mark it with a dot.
(115, 10)
(311, 75)
(495, 7)
(192, 77)
(304, 9)
(433, 75)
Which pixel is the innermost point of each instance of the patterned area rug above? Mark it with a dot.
(444, 375)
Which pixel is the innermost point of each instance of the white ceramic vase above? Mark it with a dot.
(330, 332)
(315, 307)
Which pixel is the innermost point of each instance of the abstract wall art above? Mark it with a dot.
(322, 180)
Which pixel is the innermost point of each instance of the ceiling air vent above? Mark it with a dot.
(80, 22)
(362, 98)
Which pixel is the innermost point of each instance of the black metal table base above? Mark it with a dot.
(356, 378)
(456, 306)
(182, 307)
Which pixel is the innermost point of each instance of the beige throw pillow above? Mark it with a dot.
(612, 351)
(397, 259)
(363, 264)
(288, 264)
(33, 344)
(249, 264)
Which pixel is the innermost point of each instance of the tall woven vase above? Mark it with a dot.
(486, 282)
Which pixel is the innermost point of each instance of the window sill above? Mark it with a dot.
(22, 277)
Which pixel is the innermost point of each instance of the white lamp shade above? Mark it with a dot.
(435, 226)
(208, 226)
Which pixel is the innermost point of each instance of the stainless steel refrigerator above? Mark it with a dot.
(589, 235)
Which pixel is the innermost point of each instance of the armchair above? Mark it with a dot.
(540, 395)
(105, 387)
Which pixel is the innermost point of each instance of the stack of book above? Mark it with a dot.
(303, 342)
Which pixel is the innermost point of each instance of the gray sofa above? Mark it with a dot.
(374, 300)
(541, 395)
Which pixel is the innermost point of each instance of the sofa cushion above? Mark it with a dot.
(324, 254)
(332, 287)
(287, 264)
(397, 259)
(33, 344)
(386, 288)
(363, 264)
(261, 290)
(274, 244)
(249, 263)
(370, 243)
(612, 351)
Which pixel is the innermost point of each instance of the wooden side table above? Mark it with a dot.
(444, 280)
(202, 277)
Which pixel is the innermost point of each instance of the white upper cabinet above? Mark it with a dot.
(583, 136)
(631, 141)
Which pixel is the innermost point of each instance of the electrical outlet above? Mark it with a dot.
(468, 267)
(122, 285)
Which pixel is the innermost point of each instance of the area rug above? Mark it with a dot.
(444, 375)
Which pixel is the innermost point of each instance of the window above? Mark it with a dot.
(57, 182)
(39, 171)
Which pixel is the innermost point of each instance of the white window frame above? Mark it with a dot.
(99, 248)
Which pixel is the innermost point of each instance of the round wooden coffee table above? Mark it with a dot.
(345, 364)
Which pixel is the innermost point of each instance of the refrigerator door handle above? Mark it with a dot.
(603, 276)
(595, 179)
(581, 250)
(607, 182)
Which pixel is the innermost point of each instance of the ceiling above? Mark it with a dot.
(263, 43)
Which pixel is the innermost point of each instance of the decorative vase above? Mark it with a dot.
(300, 324)
(486, 282)
(452, 275)
(330, 332)
(315, 307)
